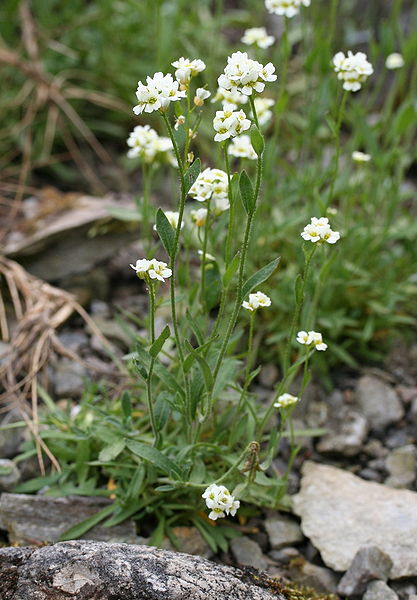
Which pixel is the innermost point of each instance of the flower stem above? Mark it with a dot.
(337, 153)
(243, 257)
(173, 256)
(232, 206)
(203, 257)
(151, 366)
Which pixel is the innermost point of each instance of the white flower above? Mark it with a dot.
(285, 400)
(172, 219)
(158, 270)
(245, 75)
(286, 8)
(311, 338)
(201, 94)
(394, 61)
(257, 300)
(210, 184)
(141, 267)
(319, 231)
(302, 337)
(228, 124)
(258, 36)
(262, 106)
(180, 120)
(360, 156)
(353, 69)
(317, 340)
(199, 216)
(220, 501)
(186, 68)
(230, 99)
(220, 205)
(148, 146)
(157, 94)
(241, 146)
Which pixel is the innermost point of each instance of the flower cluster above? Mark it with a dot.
(220, 502)
(245, 75)
(210, 184)
(286, 8)
(148, 146)
(311, 338)
(257, 300)
(186, 68)
(159, 92)
(257, 36)
(353, 69)
(155, 269)
(229, 123)
(241, 147)
(319, 231)
(286, 400)
(262, 106)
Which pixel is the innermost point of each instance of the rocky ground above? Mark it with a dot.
(353, 527)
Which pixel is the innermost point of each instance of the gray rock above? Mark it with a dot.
(407, 394)
(404, 590)
(375, 448)
(378, 402)
(379, 590)
(189, 540)
(401, 465)
(248, 553)
(369, 563)
(348, 430)
(11, 439)
(38, 519)
(283, 531)
(9, 475)
(73, 340)
(284, 555)
(341, 513)
(319, 578)
(413, 410)
(69, 379)
(98, 571)
(370, 475)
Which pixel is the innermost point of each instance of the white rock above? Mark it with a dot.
(379, 590)
(341, 513)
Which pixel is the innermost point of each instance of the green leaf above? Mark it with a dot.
(156, 347)
(213, 285)
(162, 409)
(112, 451)
(136, 483)
(155, 457)
(231, 269)
(257, 140)
(191, 174)
(126, 404)
(247, 193)
(165, 231)
(194, 327)
(204, 366)
(259, 277)
(158, 533)
(77, 530)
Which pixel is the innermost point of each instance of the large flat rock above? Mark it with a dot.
(341, 513)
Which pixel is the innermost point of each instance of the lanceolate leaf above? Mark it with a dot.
(165, 231)
(156, 347)
(155, 457)
(247, 193)
(259, 277)
(192, 173)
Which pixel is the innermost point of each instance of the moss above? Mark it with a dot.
(291, 590)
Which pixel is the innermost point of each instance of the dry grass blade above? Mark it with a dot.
(41, 309)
